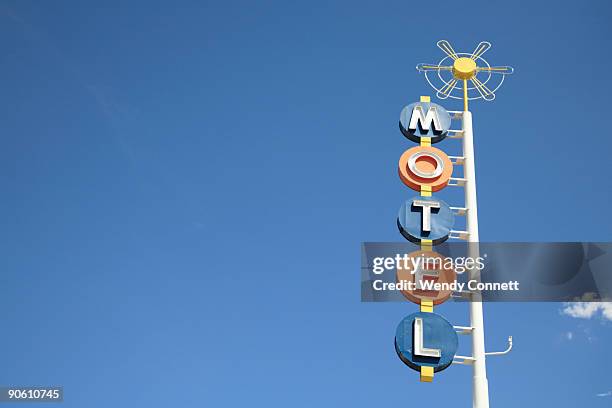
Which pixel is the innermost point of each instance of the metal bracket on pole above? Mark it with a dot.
(501, 353)
(459, 235)
(463, 360)
(456, 114)
(457, 181)
(459, 210)
(462, 294)
(455, 134)
(466, 330)
(463, 329)
(457, 160)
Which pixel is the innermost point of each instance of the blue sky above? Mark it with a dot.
(185, 189)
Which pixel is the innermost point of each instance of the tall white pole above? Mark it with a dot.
(480, 385)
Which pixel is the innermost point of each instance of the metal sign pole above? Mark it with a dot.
(480, 386)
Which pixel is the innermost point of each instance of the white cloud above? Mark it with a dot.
(605, 394)
(586, 310)
(569, 335)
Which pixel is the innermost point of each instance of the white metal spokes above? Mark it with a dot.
(431, 67)
(486, 93)
(480, 49)
(440, 77)
(481, 85)
(448, 49)
(497, 70)
(447, 89)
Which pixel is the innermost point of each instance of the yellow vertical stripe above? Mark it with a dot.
(427, 374)
(426, 191)
(427, 306)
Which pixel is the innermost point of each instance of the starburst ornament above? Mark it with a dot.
(479, 79)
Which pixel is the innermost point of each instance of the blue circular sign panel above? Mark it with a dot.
(424, 119)
(426, 339)
(425, 218)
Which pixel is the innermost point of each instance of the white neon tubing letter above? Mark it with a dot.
(419, 349)
(418, 117)
(426, 218)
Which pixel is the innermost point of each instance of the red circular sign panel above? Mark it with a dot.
(430, 266)
(425, 166)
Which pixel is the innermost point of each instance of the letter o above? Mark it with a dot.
(425, 166)
(426, 173)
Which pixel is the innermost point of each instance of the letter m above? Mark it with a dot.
(419, 118)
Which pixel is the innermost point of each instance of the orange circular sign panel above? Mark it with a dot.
(425, 166)
(425, 269)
